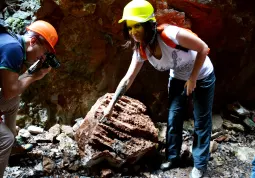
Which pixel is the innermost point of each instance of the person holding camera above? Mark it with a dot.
(17, 54)
(179, 50)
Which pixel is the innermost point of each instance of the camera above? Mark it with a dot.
(50, 61)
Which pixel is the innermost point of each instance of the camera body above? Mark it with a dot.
(50, 61)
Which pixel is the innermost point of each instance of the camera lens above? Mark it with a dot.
(52, 60)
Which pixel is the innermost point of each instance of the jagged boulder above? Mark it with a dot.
(124, 138)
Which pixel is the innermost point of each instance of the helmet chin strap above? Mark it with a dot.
(154, 35)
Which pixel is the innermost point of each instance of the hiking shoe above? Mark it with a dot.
(19, 147)
(169, 165)
(197, 173)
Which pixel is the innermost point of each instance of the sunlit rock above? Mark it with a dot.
(35, 130)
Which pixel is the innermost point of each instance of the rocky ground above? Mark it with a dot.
(56, 152)
(224, 162)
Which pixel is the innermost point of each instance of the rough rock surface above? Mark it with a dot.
(124, 138)
(59, 157)
(93, 60)
(55, 153)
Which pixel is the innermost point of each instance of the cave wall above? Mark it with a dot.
(93, 60)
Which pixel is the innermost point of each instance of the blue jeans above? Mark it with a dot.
(253, 168)
(202, 103)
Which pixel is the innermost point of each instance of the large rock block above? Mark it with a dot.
(124, 138)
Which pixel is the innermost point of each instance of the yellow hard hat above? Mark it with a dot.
(139, 11)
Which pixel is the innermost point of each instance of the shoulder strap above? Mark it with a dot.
(170, 43)
(164, 37)
(143, 53)
(167, 41)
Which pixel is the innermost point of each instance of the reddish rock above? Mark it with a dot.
(93, 60)
(48, 165)
(171, 16)
(105, 173)
(124, 138)
(221, 138)
(206, 20)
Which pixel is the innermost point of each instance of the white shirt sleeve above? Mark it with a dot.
(171, 31)
(137, 56)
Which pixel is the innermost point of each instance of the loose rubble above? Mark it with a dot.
(57, 154)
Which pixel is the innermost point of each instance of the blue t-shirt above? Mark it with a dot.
(12, 52)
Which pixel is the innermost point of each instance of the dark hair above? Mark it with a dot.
(150, 32)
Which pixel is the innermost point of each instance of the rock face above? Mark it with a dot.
(90, 51)
(124, 138)
(93, 60)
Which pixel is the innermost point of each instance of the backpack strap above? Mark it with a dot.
(164, 37)
(167, 41)
(170, 43)
(143, 53)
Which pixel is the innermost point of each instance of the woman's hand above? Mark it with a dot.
(190, 86)
(107, 114)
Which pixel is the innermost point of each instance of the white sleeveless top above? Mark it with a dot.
(179, 62)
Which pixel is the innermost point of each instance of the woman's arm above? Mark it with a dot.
(123, 86)
(191, 41)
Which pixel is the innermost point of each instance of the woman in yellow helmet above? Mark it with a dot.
(191, 73)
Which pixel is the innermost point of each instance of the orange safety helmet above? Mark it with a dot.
(46, 30)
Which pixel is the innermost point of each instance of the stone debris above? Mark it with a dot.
(213, 146)
(55, 130)
(24, 133)
(48, 165)
(123, 139)
(35, 130)
(78, 123)
(217, 122)
(44, 138)
(106, 173)
(231, 126)
(67, 130)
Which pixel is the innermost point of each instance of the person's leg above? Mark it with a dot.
(177, 110)
(9, 108)
(6, 142)
(202, 100)
(253, 168)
